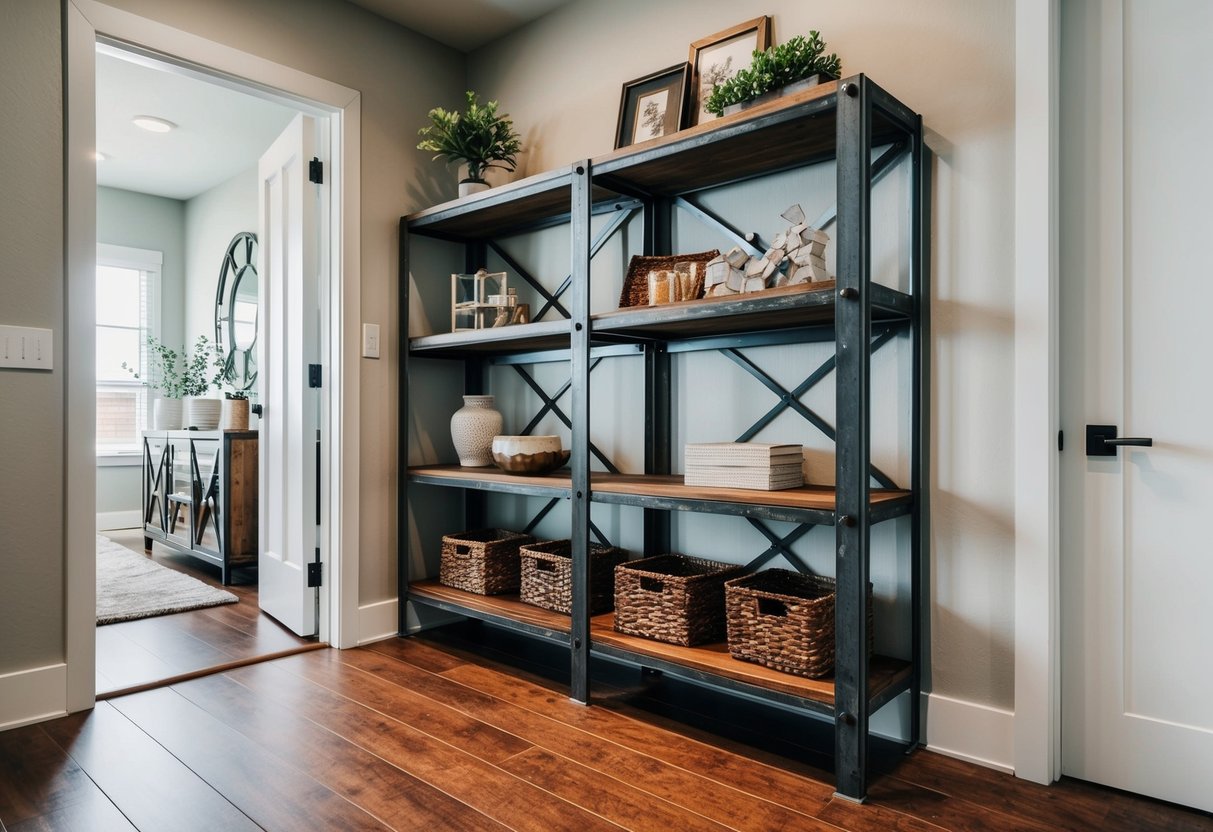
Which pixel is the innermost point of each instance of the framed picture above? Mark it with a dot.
(719, 57)
(652, 106)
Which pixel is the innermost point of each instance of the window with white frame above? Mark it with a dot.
(128, 292)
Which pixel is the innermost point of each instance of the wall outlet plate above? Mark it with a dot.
(370, 340)
(27, 348)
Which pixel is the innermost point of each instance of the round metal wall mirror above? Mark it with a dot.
(236, 312)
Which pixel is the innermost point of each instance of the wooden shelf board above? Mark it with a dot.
(542, 335)
(807, 497)
(499, 606)
(712, 659)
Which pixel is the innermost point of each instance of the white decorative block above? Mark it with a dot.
(794, 214)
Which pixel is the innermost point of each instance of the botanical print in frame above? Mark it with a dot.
(652, 106)
(718, 57)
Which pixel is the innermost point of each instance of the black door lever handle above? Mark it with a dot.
(1102, 440)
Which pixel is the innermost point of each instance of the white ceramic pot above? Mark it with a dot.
(234, 415)
(511, 445)
(202, 414)
(166, 414)
(473, 427)
(467, 187)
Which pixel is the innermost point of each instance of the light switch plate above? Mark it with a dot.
(370, 340)
(27, 348)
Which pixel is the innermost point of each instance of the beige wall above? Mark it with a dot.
(952, 60)
(31, 294)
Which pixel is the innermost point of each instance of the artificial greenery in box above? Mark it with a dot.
(776, 67)
(479, 136)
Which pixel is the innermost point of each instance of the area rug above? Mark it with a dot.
(130, 586)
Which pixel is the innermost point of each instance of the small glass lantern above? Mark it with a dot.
(471, 299)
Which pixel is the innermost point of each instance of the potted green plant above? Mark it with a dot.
(177, 375)
(800, 62)
(479, 137)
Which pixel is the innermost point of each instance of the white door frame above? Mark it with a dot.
(85, 22)
(1037, 732)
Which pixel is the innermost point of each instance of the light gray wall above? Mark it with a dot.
(156, 223)
(951, 60)
(211, 220)
(31, 294)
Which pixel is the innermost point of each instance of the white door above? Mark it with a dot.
(288, 343)
(1137, 287)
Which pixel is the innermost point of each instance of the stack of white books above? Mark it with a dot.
(756, 465)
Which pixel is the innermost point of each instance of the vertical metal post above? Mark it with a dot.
(920, 456)
(658, 239)
(657, 448)
(402, 430)
(475, 383)
(579, 635)
(853, 348)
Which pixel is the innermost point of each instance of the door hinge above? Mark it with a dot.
(315, 171)
(314, 572)
(1061, 440)
(313, 375)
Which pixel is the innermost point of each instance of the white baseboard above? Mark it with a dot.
(378, 621)
(33, 695)
(110, 520)
(969, 731)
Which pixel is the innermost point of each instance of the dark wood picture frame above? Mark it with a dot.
(755, 34)
(674, 81)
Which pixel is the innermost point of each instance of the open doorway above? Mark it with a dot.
(181, 485)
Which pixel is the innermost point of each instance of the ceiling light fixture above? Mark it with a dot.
(153, 124)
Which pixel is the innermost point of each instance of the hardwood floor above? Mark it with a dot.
(131, 654)
(422, 734)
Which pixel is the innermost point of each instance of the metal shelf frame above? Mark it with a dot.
(858, 316)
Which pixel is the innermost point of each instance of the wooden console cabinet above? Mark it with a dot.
(200, 495)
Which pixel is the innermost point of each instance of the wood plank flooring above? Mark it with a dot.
(425, 734)
(131, 654)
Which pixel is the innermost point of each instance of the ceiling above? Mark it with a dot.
(463, 24)
(220, 132)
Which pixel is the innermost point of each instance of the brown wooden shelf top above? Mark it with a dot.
(713, 659)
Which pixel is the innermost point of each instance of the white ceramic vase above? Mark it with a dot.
(234, 415)
(202, 414)
(473, 427)
(166, 414)
(467, 187)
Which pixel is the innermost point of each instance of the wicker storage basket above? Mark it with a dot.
(547, 570)
(672, 598)
(785, 620)
(635, 290)
(484, 561)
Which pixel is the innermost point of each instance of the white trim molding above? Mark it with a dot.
(970, 731)
(33, 695)
(111, 520)
(377, 621)
(1037, 715)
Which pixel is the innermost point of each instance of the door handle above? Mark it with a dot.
(1102, 440)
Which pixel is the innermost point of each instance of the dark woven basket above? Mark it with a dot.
(636, 284)
(484, 561)
(547, 570)
(785, 620)
(672, 598)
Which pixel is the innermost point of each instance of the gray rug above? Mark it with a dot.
(130, 586)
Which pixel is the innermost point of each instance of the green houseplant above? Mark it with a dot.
(478, 136)
(776, 67)
(178, 374)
